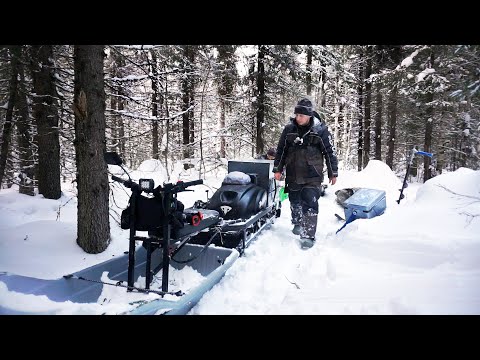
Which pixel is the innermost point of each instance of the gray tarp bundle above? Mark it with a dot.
(344, 194)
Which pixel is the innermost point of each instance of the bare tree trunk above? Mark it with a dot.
(427, 171)
(121, 144)
(360, 111)
(336, 129)
(454, 153)
(378, 104)
(187, 103)
(222, 128)
(392, 124)
(93, 228)
(309, 69)
(347, 130)
(25, 145)
(323, 80)
(8, 124)
(260, 99)
(167, 122)
(154, 69)
(226, 79)
(202, 101)
(368, 101)
(440, 153)
(10, 175)
(114, 127)
(395, 53)
(340, 120)
(253, 95)
(465, 143)
(46, 115)
(118, 102)
(154, 138)
(378, 122)
(161, 128)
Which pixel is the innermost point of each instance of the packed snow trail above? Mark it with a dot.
(411, 260)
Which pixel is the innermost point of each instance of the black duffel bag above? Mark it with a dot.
(149, 214)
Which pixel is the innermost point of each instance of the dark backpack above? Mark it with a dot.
(317, 115)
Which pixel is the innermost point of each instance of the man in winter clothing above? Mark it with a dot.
(303, 147)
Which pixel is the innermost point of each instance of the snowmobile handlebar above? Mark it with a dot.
(176, 188)
(127, 183)
(166, 188)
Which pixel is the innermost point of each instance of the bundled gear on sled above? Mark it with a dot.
(247, 202)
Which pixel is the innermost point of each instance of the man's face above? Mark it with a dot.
(302, 119)
(270, 157)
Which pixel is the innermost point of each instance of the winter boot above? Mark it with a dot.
(297, 229)
(296, 209)
(306, 242)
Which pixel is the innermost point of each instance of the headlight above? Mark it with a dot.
(146, 185)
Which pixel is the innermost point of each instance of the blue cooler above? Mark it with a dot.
(365, 204)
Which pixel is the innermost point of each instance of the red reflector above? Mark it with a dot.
(196, 220)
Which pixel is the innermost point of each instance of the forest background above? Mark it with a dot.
(63, 106)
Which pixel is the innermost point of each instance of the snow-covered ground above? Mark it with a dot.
(421, 256)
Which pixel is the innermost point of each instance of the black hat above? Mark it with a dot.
(271, 152)
(304, 107)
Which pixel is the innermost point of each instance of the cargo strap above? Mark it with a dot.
(348, 221)
(218, 232)
(119, 283)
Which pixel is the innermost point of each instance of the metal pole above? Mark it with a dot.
(131, 247)
(148, 272)
(166, 240)
(414, 152)
(406, 175)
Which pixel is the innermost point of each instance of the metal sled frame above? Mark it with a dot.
(250, 229)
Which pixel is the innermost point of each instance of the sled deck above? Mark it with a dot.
(87, 286)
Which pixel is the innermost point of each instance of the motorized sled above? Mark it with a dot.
(170, 226)
(247, 202)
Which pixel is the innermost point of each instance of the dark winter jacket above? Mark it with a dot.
(301, 149)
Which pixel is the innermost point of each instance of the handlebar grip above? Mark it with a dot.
(126, 183)
(116, 178)
(194, 182)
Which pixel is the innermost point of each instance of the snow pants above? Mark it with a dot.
(304, 207)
